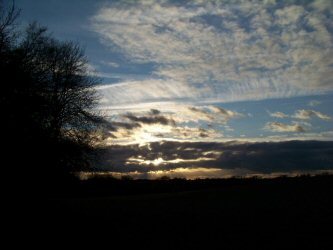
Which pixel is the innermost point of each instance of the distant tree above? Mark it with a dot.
(164, 178)
(126, 177)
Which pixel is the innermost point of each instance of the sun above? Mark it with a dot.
(151, 133)
(157, 161)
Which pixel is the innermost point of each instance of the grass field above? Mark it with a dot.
(233, 213)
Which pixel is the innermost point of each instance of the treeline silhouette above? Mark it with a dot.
(99, 186)
(47, 102)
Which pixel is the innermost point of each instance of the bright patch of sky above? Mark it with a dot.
(203, 70)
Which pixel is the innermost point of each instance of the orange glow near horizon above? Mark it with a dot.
(160, 161)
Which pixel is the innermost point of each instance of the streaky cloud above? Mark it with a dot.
(246, 157)
(252, 51)
(308, 114)
(283, 127)
(279, 114)
(155, 119)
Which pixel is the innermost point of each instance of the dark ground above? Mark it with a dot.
(224, 214)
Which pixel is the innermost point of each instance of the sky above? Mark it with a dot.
(199, 89)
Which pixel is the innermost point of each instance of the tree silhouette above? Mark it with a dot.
(60, 72)
(47, 102)
(7, 21)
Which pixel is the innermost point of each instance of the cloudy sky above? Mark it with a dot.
(181, 80)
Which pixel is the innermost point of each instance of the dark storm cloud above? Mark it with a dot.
(203, 133)
(125, 125)
(150, 119)
(110, 128)
(114, 126)
(155, 111)
(194, 109)
(202, 113)
(261, 158)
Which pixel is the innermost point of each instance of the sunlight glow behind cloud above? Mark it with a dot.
(196, 58)
(205, 88)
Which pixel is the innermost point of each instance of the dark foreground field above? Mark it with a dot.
(235, 213)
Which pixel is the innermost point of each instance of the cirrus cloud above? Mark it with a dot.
(308, 114)
(216, 50)
(283, 127)
(278, 115)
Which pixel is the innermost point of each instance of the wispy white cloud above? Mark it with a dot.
(308, 114)
(209, 113)
(283, 127)
(148, 90)
(302, 114)
(314, 103)
(110, 64)
(227, 114)
(278, 115)
(220, 51)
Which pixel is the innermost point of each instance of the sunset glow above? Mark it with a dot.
(209, 84)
